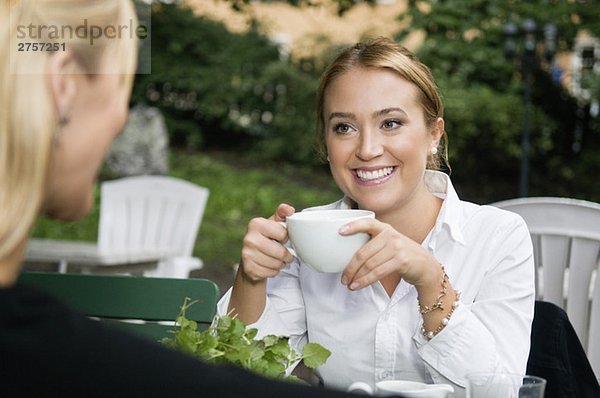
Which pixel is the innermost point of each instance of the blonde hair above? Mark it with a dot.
(383, 53)
(28, 118)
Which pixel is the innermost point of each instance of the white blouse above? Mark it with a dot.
(488, 256)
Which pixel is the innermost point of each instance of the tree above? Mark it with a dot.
(227, 90)
(463, 47)
(241, 95)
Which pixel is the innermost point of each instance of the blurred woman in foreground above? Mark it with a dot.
(59, 112)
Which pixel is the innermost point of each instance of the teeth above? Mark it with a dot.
(375, 174)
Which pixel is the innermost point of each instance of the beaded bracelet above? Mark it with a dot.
(431, 333)
(423, 310)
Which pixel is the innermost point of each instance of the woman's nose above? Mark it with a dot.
(369, 146)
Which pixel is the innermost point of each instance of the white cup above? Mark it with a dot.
(405, 388)
(315, 238)
(504, 385)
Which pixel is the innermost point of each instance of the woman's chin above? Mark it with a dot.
(70, 213)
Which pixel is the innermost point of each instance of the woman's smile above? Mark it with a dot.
(369, 176)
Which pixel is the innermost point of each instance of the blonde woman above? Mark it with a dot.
(59, 112)
(396, 311)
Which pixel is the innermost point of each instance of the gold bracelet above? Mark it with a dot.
(431, 333)
(423, 310)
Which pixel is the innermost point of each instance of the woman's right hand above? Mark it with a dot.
(263, 253)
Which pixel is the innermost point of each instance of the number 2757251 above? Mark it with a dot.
(41, 46)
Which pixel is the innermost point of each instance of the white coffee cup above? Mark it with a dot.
(315, 238)
(405, 388)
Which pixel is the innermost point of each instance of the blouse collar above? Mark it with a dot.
(439, 184)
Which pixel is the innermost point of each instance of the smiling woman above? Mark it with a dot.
(395, 312)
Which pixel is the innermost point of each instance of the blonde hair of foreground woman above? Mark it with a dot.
(384, 53)
(29, 120)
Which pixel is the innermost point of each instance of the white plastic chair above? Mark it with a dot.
(148, 225)
(148, 212)
(566, 240)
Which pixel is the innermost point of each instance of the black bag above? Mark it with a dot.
(558, 356)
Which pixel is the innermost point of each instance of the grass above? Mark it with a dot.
(240, 189)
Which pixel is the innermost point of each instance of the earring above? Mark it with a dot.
(434, 150)
(63, 120)
(328, 159)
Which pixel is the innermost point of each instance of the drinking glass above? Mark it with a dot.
(504, 385)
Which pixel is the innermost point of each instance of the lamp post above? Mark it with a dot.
(520, 44)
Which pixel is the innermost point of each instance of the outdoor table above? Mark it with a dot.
(88, 257)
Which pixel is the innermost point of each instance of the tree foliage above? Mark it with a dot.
(218, 88)
(484, 97)
(230, 90)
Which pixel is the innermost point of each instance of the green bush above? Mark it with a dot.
(290, 133)
(484, 99)
(226, 90)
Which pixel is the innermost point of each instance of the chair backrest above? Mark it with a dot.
(566, 240)
(150, 212)
(111, 298)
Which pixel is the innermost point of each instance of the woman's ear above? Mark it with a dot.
(61, 70)
(438, 131)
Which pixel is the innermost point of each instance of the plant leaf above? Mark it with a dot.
(314, 355)
(228, 341)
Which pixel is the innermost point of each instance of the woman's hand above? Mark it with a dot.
(263, 253)
(388, 252)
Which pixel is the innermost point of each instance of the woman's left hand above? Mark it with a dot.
(388, 251)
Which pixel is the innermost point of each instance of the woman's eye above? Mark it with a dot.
(391, 124)
(342, 128)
